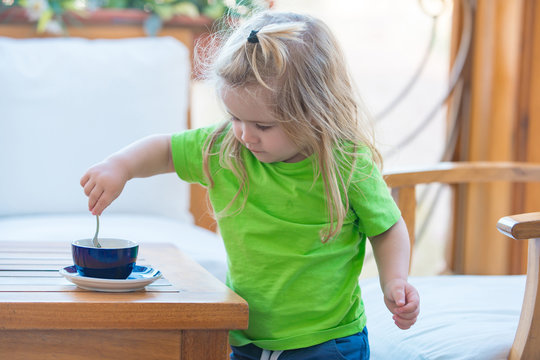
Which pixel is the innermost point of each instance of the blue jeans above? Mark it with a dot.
(354, 347)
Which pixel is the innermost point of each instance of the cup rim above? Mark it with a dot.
(129, 244)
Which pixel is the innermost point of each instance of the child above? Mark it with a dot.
(293, 180)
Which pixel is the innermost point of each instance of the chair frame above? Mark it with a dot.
(520, 227)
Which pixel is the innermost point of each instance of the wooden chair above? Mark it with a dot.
(403, 184)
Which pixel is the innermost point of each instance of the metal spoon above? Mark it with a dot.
(95, 240)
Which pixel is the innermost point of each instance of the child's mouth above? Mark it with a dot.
(254, 151)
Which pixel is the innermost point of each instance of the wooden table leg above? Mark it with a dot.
(204, 344)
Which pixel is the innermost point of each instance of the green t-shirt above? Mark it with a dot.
(300, 291)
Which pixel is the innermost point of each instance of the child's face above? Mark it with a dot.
(254, 126)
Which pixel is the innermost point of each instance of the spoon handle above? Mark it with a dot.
(95, 239)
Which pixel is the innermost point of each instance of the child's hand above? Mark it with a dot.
(102, 184)
(402, 299)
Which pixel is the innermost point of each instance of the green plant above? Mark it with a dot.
(49, 15)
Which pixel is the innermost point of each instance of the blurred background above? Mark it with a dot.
(443, 79)
(398, 54)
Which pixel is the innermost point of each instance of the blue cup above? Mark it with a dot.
(113, 260)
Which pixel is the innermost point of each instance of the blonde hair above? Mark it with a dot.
(313, 99)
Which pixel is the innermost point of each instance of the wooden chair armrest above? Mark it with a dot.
(463, 172)
(403, 182)
(521, 226)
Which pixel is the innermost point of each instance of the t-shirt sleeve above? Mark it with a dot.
(187, 154)
(370, 198)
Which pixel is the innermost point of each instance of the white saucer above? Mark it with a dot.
(137, 280)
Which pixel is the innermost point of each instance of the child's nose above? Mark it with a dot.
(248, 134)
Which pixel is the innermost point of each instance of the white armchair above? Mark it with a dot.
(66, 104)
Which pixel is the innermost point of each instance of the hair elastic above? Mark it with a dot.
(252, 38)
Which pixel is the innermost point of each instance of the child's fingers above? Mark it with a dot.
(84, 179)
(104, 200)
(89, 187)
(396, 299)
(410, 307)
(394, 290)
(98, 209)
(405, 313)
(398, 295)
(93, 199)
(405, 316)
(412, 296)
(402, 323)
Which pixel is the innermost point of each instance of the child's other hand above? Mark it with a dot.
(102, 184)
(402, 299)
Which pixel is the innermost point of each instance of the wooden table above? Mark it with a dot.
(184, 315)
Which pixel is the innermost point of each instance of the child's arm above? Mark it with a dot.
(105, 181)
(392, 251)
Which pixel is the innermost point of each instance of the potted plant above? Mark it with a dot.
(52, 15)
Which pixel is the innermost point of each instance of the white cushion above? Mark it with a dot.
(68, 103)
(461, 317)
(202, 245)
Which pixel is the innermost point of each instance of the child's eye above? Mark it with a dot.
(234, 118)
(263, 127)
